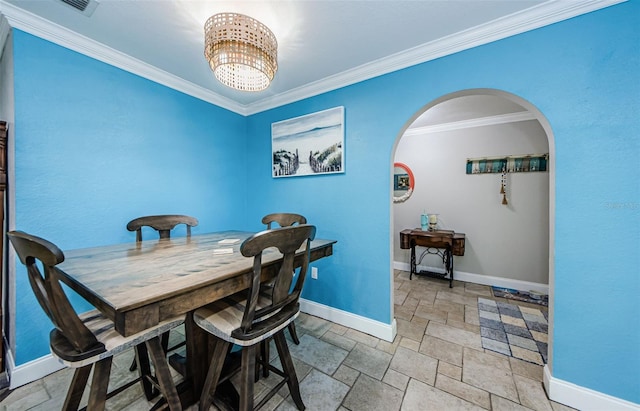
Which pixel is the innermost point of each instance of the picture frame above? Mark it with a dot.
(312, 144)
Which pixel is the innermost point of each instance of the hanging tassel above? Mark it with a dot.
(503, 190)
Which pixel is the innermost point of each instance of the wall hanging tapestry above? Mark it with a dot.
(508, 164)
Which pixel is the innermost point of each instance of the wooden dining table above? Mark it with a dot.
(138, 285)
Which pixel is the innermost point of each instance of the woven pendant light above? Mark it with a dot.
(241, 51)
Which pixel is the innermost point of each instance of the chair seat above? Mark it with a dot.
(113, 342)
(224, 316)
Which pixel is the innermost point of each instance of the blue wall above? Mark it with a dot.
(96, 146)
(582, 74)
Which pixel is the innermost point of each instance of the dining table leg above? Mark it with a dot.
(197, 354)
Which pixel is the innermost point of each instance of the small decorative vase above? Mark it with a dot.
(433, 222)
(424, 219)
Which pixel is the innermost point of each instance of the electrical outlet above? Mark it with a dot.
(314, 273)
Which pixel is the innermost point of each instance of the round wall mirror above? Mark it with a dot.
(403, 182)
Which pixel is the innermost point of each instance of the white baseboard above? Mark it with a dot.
(378, 329)
(31, 371)
(43, 366)
(582, 398)
(482, 279)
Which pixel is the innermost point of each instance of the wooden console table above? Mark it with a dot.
(445, 243)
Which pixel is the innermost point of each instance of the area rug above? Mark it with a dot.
(529, 297)
(519, 332)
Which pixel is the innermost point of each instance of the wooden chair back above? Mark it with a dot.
(163, 224)
(70, 339)
(283, 299)
(283, 219)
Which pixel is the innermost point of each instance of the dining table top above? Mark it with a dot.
(139, 284)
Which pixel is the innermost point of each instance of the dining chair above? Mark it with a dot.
(284, 220)
(163, 224)
(250, 317)
(89, 340)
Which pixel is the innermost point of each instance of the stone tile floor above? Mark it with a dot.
(436, 362)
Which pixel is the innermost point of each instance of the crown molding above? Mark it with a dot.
(45, 29)
(474, 122)
(542, 15)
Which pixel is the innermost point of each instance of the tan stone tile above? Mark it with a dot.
(532, 394)
(431, 314)
(449, 306)
(502, 404)
(454, 335)
(441, 350)
(527, 355)
(399, 297)
(412, 330)
(526, 369)
(450, 370)
(455, 317)
(490, 358)
(423, 295)
(402, 312)
(464, 326)
(410, 344)
(411, 302)
(358, 336)
(26, 397)
(414, 365)
(451, 295)
(489, 373)
(478, 289)
(471, 315)
(346, 375)
(338, 329)
(561, 407)
(389, 347)
(464, 391)
(396, 379)
(418, 394)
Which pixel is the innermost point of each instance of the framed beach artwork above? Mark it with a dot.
(308, 145)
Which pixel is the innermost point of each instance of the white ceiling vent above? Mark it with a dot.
(86, 7)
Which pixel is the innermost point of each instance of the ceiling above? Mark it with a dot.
(323, 45)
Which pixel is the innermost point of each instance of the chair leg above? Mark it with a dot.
(133, 366)
(289, 369)
(99, 384)
(219, 353)
(264, 352)
(248, 365)
(142, 359)
(294, 334)
(167, 387)
(165, 346)
(76, 389)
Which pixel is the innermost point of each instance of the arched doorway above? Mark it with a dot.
(483, 108)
